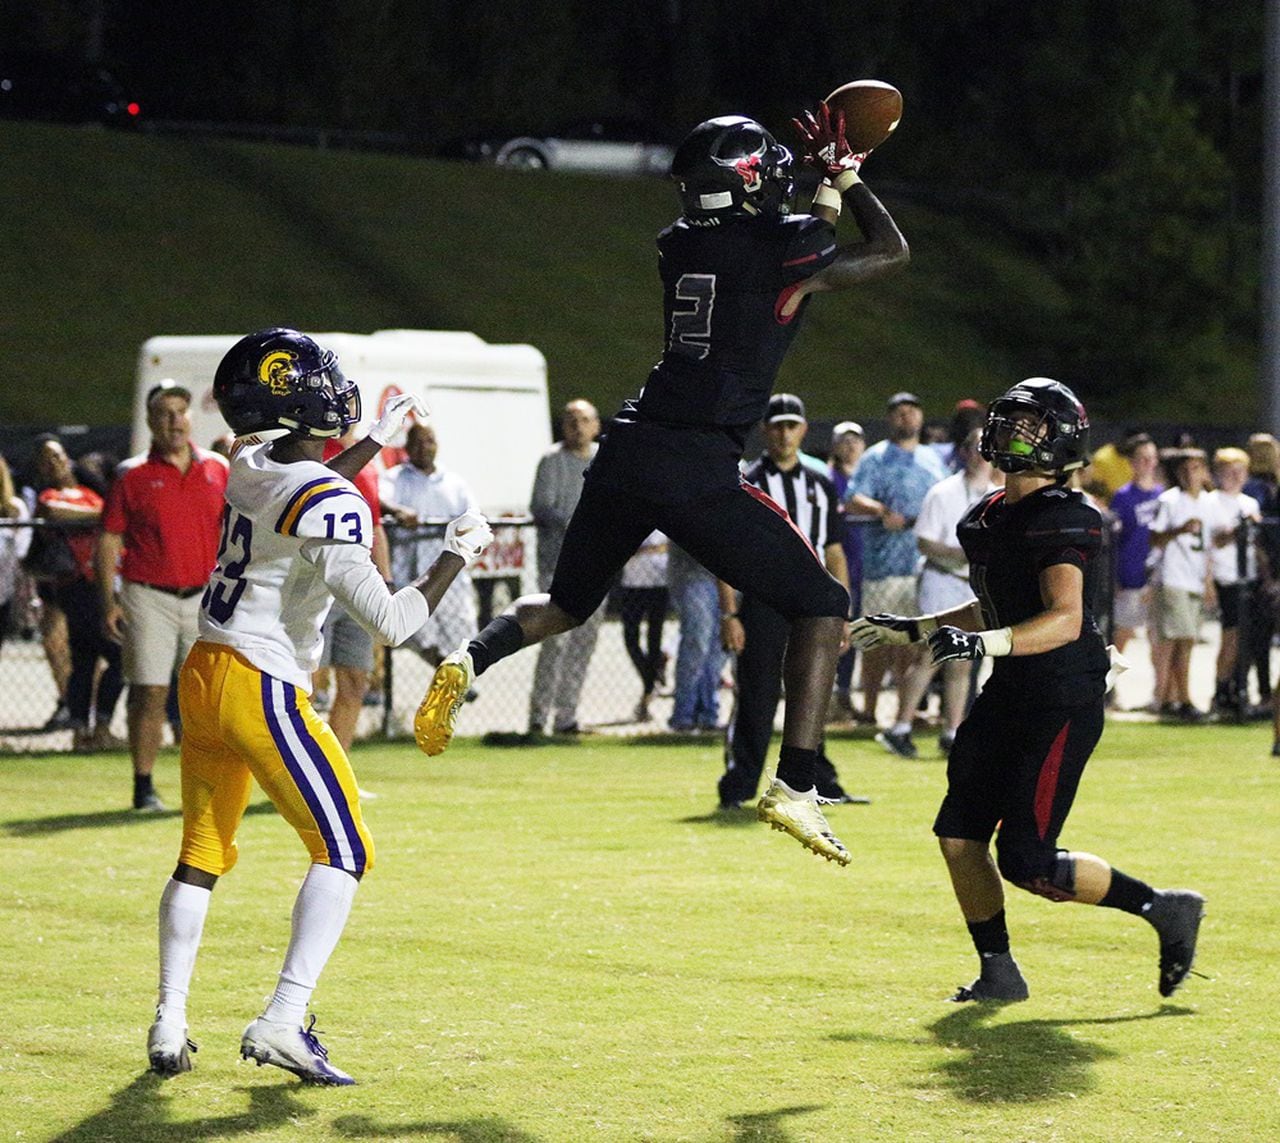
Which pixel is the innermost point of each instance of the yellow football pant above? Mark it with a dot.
(238, 722)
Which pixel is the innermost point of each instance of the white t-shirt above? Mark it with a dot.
(1226, 509)
(1185, 559)
(294, 537)
(648, 567)
(436, 495)
(943, 587)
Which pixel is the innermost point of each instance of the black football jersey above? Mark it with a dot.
(1008, 546)
(723, 291)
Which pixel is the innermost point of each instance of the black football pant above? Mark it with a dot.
(736, 532)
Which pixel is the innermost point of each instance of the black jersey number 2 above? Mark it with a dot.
(691, 326)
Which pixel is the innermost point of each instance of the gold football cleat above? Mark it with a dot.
(438, 713)
(801, 817)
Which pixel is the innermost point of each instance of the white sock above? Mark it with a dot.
(319, 916)
(900, 728)
(182, 912)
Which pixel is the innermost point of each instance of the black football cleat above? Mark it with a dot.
(1176, 916)
(1001, 982)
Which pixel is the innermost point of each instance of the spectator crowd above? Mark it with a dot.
(105, 561)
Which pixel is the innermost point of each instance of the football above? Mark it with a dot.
(872, 109)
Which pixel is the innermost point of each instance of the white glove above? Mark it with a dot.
(393, 416)
(468, 536)
(869, 631)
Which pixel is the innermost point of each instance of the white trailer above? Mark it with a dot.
(488, 402)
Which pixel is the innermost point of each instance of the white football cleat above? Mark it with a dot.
(800, 815)
(292, 1047)
(168, 1048)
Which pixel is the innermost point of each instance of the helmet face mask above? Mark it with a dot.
(279, 381)
(731, 167)
(1039, 426)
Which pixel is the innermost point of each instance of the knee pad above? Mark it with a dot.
(1047, 873)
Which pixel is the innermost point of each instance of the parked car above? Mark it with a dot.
(605, 146)
(64, 90)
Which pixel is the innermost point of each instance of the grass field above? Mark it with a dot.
(565, 944)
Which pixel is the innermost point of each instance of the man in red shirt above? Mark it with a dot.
(164, 514)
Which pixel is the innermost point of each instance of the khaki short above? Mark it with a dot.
(159, 631)
(893, 595)
(346, 643)
(1177, 613)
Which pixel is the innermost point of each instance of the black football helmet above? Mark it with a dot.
(279, 379)
(1037, 426)
(732, 167)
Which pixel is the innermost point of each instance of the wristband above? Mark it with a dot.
(845, 179)
(826, 195)
(998, 642)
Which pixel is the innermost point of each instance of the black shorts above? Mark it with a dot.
(1017, 766)
(1229, 601)
(685, 483)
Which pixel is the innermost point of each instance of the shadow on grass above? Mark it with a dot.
(766, 1126)
(1025, 1060)
(140, 1112)
(480, 1130)
(59, 823)
(735, 819)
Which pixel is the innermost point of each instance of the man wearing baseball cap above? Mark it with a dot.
(889, 487)
(160, 536)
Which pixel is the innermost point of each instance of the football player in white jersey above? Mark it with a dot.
(295, 534)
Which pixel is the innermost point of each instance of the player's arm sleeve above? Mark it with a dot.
(810, 249)
(348, 571)
(1069, 535)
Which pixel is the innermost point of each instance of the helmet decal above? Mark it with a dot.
(748, 169)
(275, 371)
(732, 167)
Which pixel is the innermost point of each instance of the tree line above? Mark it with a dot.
(1121, 142)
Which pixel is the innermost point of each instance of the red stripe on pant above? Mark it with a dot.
(769, 502)
(1047, 783)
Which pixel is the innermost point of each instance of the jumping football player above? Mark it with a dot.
(295, 534)
(1018, 757)
(737, 273)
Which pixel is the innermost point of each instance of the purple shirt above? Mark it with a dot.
(1134, 508)
(851, 537)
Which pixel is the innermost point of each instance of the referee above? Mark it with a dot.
(799, 485)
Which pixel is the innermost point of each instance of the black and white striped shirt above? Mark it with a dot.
(806, 493)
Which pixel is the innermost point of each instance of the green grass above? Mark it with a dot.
(113, 238)
(563, 944)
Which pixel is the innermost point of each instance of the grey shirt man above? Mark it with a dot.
(556, 489)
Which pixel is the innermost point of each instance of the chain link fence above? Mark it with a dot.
(612, 689)
(34, 642)
(34, 652)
